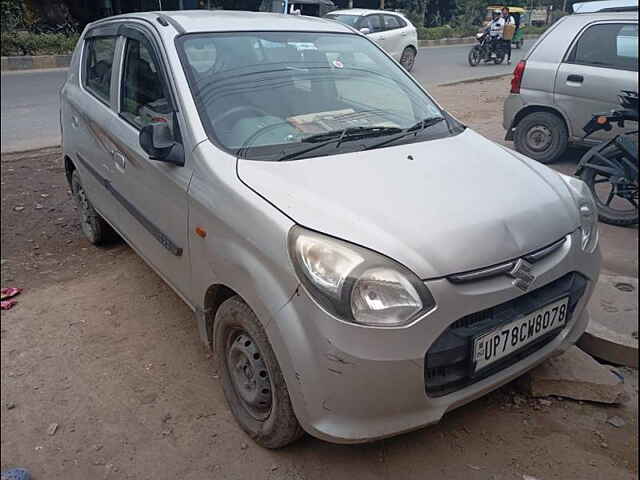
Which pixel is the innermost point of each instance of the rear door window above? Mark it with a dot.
(391, 22)
(98, 64)
(608, 45)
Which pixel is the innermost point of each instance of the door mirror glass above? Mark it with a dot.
(158, 142)
(365, 30)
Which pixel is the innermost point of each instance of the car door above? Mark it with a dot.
(154, 193)
(88, 115)
(602, 62)
(394, 35)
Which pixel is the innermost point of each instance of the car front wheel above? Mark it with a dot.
(251, 377)
(542, 136)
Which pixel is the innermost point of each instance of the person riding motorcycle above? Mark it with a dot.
(496, 28)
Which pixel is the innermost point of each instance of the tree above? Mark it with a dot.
(471, 12)
(11, 14)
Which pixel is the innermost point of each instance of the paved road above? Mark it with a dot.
(30, 99)
(438, 65)
(30, 109)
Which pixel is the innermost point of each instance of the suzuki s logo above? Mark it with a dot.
(521, 271)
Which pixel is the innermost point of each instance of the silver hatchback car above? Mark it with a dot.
(361, 262)
(577, 68)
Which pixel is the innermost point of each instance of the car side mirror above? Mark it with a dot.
(365, 31)
(157, 140)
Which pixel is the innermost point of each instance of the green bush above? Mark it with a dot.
(436, 33)
(25, 43)
(534, 30)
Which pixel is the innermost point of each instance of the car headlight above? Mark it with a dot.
(356, 284)
(588, 212)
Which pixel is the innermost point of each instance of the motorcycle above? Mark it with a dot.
(486, 50)
(610, 169)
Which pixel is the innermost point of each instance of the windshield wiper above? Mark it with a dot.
(419, 127)
(339, 136)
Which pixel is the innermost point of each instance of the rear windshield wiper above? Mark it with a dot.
(412, 130)
(339, 136)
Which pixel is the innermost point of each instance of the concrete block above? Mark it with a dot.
(43, 61)
(612, 333)
(62, 60)
(576, 375)
(19, 63)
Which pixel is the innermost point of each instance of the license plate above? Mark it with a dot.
(496, 344)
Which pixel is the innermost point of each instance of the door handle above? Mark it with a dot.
(575, 78)
(120, 160)
(74, 121)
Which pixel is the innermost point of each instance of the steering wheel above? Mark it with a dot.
(240, 111)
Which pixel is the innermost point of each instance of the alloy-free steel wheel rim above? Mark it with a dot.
(249, 374)
(539, 138)
(87, 216)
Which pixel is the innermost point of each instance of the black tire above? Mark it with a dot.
(500, 56)
(475, 56)
(542, 136)
(95, 229)
(607, 214)
(408, 58)
(267, 417)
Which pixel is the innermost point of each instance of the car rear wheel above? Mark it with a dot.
(408, 58)
(542, 136)
(251, 377)
(93, 226)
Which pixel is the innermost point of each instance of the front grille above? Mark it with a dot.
(448, 363)
(506, 267)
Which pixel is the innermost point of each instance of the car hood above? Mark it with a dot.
(439, 207)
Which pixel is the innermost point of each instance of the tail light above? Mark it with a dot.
(518, 73)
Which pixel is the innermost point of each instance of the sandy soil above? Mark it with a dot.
(101, 347)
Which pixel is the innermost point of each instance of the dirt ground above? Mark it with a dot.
(99, 346)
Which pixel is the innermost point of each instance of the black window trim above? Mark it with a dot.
(569, 57)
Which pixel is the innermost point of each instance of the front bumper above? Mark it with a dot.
(350, 383)
(512, 105)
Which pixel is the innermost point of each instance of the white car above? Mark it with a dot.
(392, 31)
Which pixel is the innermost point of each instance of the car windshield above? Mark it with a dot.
(266, 95)
(350, 20)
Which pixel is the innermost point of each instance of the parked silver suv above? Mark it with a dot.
(577, 68)
(361, 262)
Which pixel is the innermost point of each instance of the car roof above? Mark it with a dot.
(194, 21)
(565, 30)
(605, 5)
(597, 16)
(362, 11)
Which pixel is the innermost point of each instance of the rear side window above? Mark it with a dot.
(392, 22)
(610, 45)
(98, 63)
(143, 98)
